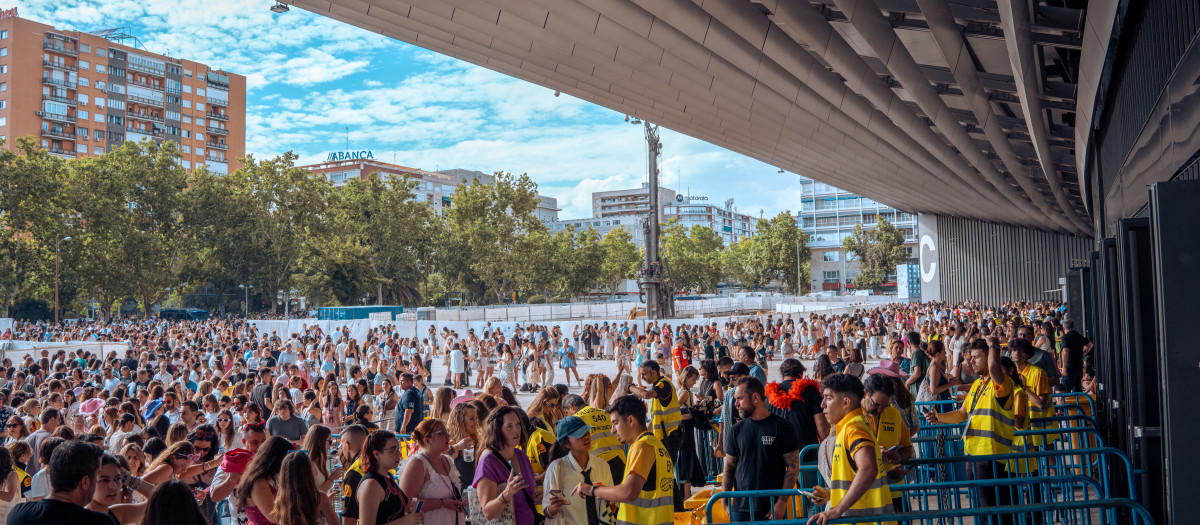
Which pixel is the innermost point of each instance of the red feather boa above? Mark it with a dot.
(783, 400)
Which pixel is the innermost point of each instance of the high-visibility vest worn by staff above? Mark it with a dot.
(1031, 376)
(877, 500)
(665, 419)
(654, 504)
(1022, 409)
(605, 444)
(989, 422)
(889, 430)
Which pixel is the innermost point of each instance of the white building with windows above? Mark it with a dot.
(828, 215)
(727, 221)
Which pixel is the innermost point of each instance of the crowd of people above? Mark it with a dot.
(215, 423)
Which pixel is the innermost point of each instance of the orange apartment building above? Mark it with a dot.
(83, 95)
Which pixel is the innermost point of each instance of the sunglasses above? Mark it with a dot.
(223, 420)
(13, 425)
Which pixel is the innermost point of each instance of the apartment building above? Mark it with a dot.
(82, 95)
(828, 215)
(725, 220)
(633, 202)
(434, 187)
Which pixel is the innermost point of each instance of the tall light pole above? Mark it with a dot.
(246, 306)
(654, 278)
(797, 267)
(57, 258)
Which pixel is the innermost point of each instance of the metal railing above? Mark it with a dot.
(60, 151)
(62, 100)
(217, 102)
(156, 133)
(60, 49)
(58, 134)
(216, 145)
(146, 85)
(55, 82)
(144, 101)
(144, 116)
(133, 66)
(216, 159)
(55, 116)
(217, 115)
(217, 131)
(59, 65)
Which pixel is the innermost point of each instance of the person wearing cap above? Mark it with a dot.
(729, 415)
(572, 463)
(891, 434)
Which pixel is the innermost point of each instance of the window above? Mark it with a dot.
(98, 150)
(3, 34)
(187, 134)
(3, 104)
(100, 68)
(3, 51)
(114, 119)
(98, 134)
(81, 132)
(187, 149)
(3, 69)
(200, 106)
(84, 82)
(100, 117)
(3, 121)
(187, 164)
(116, 104)
(172, 115)
(84, 48)
(85, 65)
(199, 92)
(100, 102)
(101, 85)
(81, 114)
(83, 99)
(100, 52)
(186, 119)
(832, 277)
(3, 86)
(187, 103)
(116, 136)
(187, 89)
(81, 148)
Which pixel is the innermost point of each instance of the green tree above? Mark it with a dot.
(878, 250)
(133, 238)
(585, 264)
(32, 217)
(777, 242)
(485, 227)
(693, 256)
(620, 259)
(745, 262)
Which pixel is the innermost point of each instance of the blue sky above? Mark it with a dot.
(310, 78)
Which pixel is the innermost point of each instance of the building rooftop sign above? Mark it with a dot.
(350, 155)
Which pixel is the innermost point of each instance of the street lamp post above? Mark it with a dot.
(797, 267)
(57, 258)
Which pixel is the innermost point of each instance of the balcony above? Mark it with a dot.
(146, 85)
(144, 101)
(56, 116)
(836, 285)
(59, 65)
(218, 102)
(217, 131)
(156, 133)
(144, 116)
(216, 159)
(62, 100)
(217, 116)
(58, 134)
(60, 151)
(50, 81)
(61, 50)
(145, 69)
(217, 145)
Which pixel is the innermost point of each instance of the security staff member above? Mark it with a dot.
(857, 484)
(605, 444)
(665, 414)
(646, 494)
(989, 412)
(891, 434)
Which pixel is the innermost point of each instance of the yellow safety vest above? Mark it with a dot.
(665, 419)
(888, 430)
(1023, 466)
(989, 424)
(540, 441)
(25, 479)
(1029, 375)
(877, 500)
(654, 504)
(605, 444)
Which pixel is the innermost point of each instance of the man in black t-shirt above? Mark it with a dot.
(73, 469)
(752, 461)
(410, 407)
(798, 400)
(261, 393)
(1072, 356)
(349, 449)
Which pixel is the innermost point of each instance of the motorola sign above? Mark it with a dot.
(350, 155)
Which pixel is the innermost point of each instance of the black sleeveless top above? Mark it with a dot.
(394, 500)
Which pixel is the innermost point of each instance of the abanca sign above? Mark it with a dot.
(350, 155)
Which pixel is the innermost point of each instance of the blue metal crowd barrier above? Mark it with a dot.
(1069, 512)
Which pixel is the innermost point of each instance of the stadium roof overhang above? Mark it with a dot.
(961, 107)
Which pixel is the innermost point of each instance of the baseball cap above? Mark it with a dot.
(739, 369)
(571, 427)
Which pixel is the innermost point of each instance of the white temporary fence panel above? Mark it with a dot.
(17, 350)
(5, 323)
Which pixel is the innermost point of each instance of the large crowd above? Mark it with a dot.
(216, 423)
